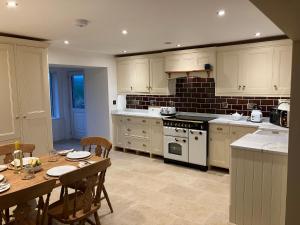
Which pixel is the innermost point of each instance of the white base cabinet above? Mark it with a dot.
(220, 138)
(25, 98)
(138, 133)
(258, 187)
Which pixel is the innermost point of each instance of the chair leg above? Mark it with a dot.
(107, 199)
(7, 215)
(97, 220)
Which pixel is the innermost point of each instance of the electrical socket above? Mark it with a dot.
(224, 105)
(250, 105)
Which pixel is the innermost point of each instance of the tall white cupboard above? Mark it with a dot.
(25, 99)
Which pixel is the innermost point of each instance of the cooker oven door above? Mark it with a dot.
(176, 148)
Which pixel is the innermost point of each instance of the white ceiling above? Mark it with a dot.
(150, 23)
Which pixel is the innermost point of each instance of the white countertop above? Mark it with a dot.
(277, 143)
(274, 143)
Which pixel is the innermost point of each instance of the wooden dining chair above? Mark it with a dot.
(78, 206)
(102, 149)
(22, 215)
(8, 150)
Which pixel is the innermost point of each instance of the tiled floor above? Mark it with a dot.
(145, 191)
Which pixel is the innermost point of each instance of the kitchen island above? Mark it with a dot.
(259, 178)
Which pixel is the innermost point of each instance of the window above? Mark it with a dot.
(77, 81)
(54, 99)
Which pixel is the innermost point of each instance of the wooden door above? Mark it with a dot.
(125, 74)
(141, 80)
(34, 96)
(219, 151)
(157, 137)
(159, 83)
(256, 70)
(228, 73)
(9, 120)
(282, 70)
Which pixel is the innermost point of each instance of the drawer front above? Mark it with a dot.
(137, 130)
(139, 120)
(235, 130)
(138, 144)
(118, 119)
(156, 122)
(219, 128)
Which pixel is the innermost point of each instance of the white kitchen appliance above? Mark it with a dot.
(185, 140)
(256, 115)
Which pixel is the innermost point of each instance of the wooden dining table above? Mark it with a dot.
(17, 183)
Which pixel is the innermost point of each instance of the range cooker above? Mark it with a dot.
(185, 140)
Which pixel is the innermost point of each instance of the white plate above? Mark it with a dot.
(65, 152)
(1, 177)
(3, 167)
(78, 155)
(25, 161)
(4, 188)
(60, 170)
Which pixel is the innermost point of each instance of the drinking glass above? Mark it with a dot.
(53, 156)
(28, 172)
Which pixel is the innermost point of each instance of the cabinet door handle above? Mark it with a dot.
(144, 145)
(128, 119)
(219, 128)
(24, 117)
(129, 142)
(240, 86)
(17, 117)
(128, 129)
(275, 87)
(131, 88)
(157, 122)
(144, 132)
(144, 121)
(244, 86)
(196, 138)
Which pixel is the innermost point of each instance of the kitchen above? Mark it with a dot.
(212, 113)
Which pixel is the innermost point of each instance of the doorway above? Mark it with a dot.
(79, 103)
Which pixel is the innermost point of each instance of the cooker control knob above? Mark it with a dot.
(200, 133)
(184, 131)
(184, 141)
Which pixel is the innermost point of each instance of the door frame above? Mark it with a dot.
(70, 74)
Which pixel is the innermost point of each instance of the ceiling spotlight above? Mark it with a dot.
(124, 32)
(221, 12)
(81, 22)
(167, 42)
(11, 4)
(124, 51)
(258, 34)
(178, 45)
(66, 42)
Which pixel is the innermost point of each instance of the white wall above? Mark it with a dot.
(59, 56)
(96, 102)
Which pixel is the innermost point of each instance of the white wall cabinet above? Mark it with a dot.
(138, 133)
(255, 69)
(220, 138)
(25, 92)
(143, 75)
(9, 119)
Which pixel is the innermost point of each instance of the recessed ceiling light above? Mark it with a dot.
(66, 42)
(11, 4)
(178, 45)
(124, 51)
(124, 32)
(257, 34)
(221, 12)
(168, 43)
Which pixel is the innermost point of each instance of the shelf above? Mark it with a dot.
(188, 72)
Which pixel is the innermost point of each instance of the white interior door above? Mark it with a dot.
(33, 86)
(78, 115)
(9, 120)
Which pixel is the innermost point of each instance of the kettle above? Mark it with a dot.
(256, 115)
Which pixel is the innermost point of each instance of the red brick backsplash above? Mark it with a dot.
(196, 94)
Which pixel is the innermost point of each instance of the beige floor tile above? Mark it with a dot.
(146, 191)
